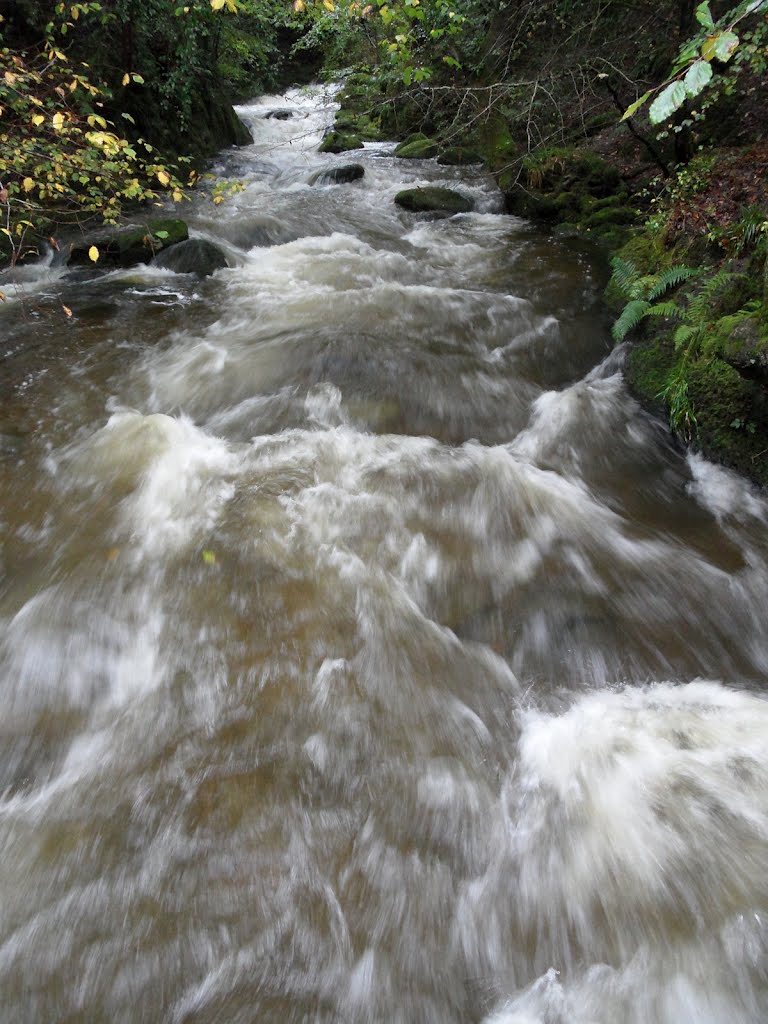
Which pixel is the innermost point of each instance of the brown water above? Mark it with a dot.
(367, 653)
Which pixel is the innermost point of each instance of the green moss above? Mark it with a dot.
(732, 416)
(650, 366)
(340, 142)
(418, 147)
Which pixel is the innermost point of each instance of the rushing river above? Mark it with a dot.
(368, 655)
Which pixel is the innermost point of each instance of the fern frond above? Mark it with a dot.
(625, 277)
(683, 335)
(631, 316)
(671, 278)
(700, 307)
(666, 309)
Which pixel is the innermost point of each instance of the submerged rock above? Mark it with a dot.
(281, 114)
(433, 199)
(195, 256)
(337, 175)
(125, 247)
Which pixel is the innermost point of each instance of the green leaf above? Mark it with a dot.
(704, 16)
(725, 44)
(698, 75)
(633, 107)
(667, 102)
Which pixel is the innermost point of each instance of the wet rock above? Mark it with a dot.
(337, 175)
(195, 256)
(340, 142)
(433, 199)
(125, 247)
(280, 114)
(417, 147)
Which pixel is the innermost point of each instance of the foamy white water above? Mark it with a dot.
(367, 653)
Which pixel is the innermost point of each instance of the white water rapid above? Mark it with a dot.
(366, 653)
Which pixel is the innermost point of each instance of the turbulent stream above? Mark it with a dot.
(368, 655)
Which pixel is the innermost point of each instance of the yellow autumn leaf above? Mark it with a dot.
(163, 177)
(66, 309)
(217, 4)
(28, 184)
(177, 195)
(329, 5)
(58, 121)
(2, 297)
(38, 119)
(93, 254)
(126, 78)
(299, 6)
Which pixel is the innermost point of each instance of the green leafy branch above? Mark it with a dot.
(693, 71)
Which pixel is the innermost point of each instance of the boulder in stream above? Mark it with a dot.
(195, 256)
(127, 246)
(433, 199)
(337, 175)
(340, 142)
(280, 114)
(417, 147)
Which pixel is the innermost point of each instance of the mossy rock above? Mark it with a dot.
(610, 216)
(340, 142)
(417, 147)
(745, 346)
(125, 247)
(433, 199)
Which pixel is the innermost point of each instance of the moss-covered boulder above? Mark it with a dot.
(125, 247)
(417, 147)
(340, 142)
(433, 199)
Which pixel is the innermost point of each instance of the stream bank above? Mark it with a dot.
(709, 382)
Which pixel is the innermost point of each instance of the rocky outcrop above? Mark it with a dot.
(433, 199)
(337, 175)
(195, 256)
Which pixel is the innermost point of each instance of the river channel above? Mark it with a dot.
(367, 654)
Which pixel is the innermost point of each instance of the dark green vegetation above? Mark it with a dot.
(642, 126)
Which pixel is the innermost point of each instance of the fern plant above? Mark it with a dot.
(699, 315)
(643, 293)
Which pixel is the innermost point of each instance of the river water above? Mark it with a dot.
(368, 655)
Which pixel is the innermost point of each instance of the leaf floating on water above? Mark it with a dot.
(66, 309)
(3, 297)
(112, 554)
(93, 254)
(209, 557)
